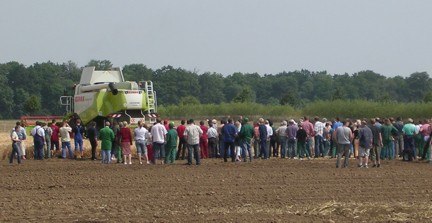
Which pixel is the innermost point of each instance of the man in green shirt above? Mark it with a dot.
(107, 136)
(171, 144)
(409, 130)
(387, 132)
(246, 133)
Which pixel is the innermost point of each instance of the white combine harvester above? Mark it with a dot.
(102, 95)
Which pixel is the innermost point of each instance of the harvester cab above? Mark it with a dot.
(105, 95)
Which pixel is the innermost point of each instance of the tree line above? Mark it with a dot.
(35, 89)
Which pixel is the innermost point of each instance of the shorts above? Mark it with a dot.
(363, 152)
(141, 146)
(126, 148)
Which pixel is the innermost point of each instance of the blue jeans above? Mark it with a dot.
(283, 142)
(79, 144)
(67, 145)
(246, 146)
(388, 150)
(106, 156)
(319, 146)
(292, 147)
(229, 150)
(15, 150)
(309, 145)
(194, 149)
(343, 149)
(158, 151)
(409, 150)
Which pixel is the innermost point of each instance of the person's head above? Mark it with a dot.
(223, 121)
(260, 121)
(65, 123)
(201, 122)
(410, 120)
(158, 120)
(230, 121)
(107, 123)
(266, 122)
(324, 120)
(78, 121)
(305, 118)
(92, 123)
(245, 120)
(363, 123)
(165, 122)
(183, 122)
(387, 121)
(372, 121)
(18, 124)
(191, 121)
(125, 123)
(316, 118)
(139, 123)
(291, 121)
(171, 125)
(17, 127)
(121, 124)
(399, 119)
(53, 121)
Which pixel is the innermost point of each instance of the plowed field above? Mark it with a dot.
(272, 190)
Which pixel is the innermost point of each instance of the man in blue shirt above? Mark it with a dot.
(229, 133)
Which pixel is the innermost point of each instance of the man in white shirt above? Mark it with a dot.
(192, 135)
(39, 140)
(158, 132)
(319, 140)
(65, 131)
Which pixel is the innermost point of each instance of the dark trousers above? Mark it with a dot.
(229, 146)
(181, 148)
(263, 148)
(408, 153)
(93, 144)
(15, 150)
(212, 142)
(38, 150)
(195, 150)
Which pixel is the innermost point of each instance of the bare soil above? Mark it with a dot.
(275, 190)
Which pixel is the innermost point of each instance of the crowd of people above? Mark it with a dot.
(240, 140)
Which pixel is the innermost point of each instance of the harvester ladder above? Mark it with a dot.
(151, 101)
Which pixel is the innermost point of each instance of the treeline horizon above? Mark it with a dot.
(35, 89)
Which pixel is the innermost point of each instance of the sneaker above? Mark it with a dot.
(374, 166)
(301, 158)
(378, 165)
(366, 166)
(130, 163)
(148, 162)
(295, 157)
(141, 163)
(125, 163)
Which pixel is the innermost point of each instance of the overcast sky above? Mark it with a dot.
(391, 37)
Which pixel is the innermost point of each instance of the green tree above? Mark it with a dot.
(100, 64)
(246, 95)
(137, 72)
(189, 100)
(32, 105)
(211, 88)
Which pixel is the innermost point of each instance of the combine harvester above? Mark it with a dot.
(105, 95)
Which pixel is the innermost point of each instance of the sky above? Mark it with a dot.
(390, 37)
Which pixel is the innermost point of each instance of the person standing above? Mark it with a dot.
(343, 137)
(116, 152)
(204, 141)
(22, 135)
(399, 139)
(55, 142)
(409, 130)
(48, 133)
(292, 139)
(263, 138)
(319, 140)
(301, 143)
(387, 132)
(38, 140)
(309, 128)
(256, 141)
(171, 144)
(212, 140)
(245, 135)
(65, 131)
(282, 134)
(141, 135)
(376, 143)
(192, 135)
(365, 142)
(78, 131)
(106, 135)
(92, 135)
(15, 145)
(229, 133)
(125, 138)
(182, 146)
(158, 132)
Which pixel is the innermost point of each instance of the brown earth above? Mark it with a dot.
(275, 190)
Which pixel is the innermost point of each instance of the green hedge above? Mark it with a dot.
(329, 109)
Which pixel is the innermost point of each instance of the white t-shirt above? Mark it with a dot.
(158, 133)
(141, 133)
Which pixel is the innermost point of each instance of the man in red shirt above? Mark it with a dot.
(182, 141)
(55, 138)
(204, 141)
